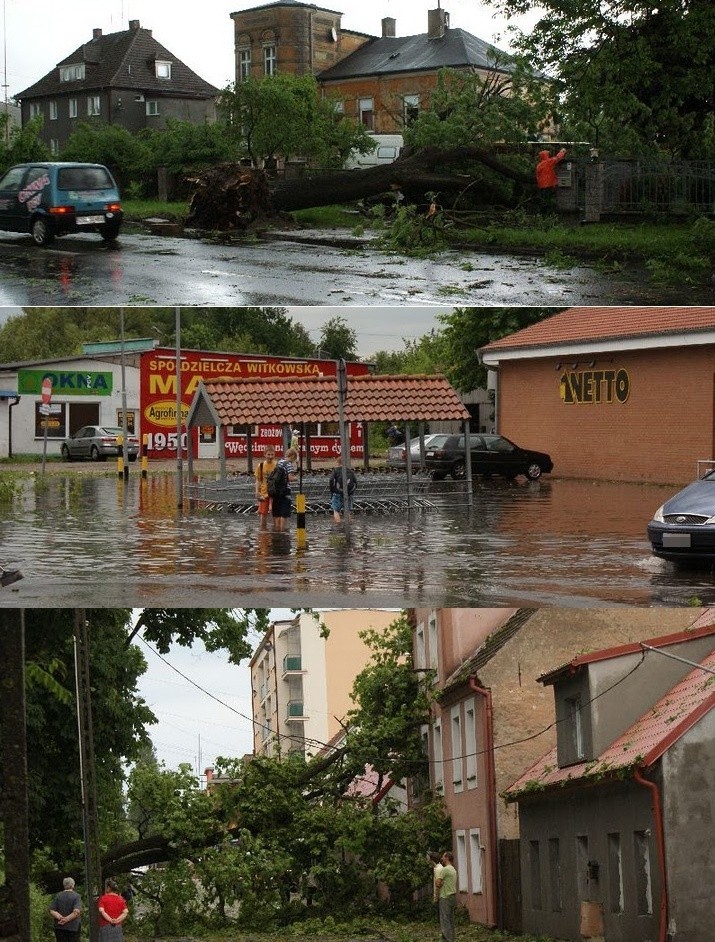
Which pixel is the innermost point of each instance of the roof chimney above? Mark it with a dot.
(388, 26)
(134, 25)
(96, 33)
(437, 23)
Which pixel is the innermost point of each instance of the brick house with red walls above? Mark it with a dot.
(492, 719)
(381, 82)
(611, 393)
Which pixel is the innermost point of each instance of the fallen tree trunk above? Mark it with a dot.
(230, 197)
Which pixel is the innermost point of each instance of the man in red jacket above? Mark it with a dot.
(546, 178)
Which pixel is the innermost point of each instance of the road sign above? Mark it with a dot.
(46, 390)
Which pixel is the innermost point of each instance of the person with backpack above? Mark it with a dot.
(337, 498)
(278, 485)
(263, 469)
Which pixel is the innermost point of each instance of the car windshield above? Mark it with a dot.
(84, 178)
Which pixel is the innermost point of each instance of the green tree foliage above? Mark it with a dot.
(23, 144)
(636, 77)
(284, 116)
(125, 154)
(338, 340)
(55, 332)
(182, 145)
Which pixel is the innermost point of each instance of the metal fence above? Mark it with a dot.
(675, 187)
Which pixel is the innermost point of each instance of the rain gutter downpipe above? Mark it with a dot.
(491, 795)
(660, 841)
(13, 403)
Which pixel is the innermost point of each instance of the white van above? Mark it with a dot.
(388, 149)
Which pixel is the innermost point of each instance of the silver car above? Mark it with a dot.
(98, 442)
(397, 454)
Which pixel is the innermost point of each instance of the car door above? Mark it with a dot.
(10, 186)
(504, 457)
(480, 456)
(83, 440)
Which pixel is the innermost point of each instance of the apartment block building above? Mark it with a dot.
(302, 674)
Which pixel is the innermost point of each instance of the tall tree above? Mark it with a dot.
(338, 340)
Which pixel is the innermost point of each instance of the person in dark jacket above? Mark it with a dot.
(337, 501)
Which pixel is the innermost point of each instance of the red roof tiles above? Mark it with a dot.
(592, 324)
(315, 399)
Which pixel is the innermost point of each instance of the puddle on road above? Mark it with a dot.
(88, 541)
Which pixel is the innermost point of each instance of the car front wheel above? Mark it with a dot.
(41, 231)
(533, 472)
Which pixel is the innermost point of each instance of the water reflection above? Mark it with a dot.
(88, 540)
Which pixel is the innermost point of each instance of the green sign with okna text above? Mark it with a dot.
(65, 382)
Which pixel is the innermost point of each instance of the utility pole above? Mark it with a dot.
(179, 460)
(88, 770)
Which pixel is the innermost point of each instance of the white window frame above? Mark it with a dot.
(72, 73)
(420, 653)
(94, 105)
(432, 640)
(366, 106)
(476, 861)
(54, 146)
(53, 111)
(461, 849)
(438, 755)
(456, 739)
(73, 108)
(270, 58)
(162, 69)
(152, 107)
(244, 63)
(470, 743)
(35, 109)
(409, 103)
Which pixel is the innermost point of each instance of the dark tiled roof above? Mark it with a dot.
(285, 3)
(123, 60)
(593, 324)
(392, 54)
(640, 746)
(297, 399)
(487, 650)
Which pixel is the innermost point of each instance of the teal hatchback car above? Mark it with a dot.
(49, 198)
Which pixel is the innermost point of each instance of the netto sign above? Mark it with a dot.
(595, 386)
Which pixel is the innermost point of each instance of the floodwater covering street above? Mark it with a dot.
(87, 540)
(150, 269)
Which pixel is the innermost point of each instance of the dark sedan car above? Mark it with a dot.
(98, 442)
(684, 527)
(490, 454)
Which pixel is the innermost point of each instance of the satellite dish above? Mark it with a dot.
(333, 34)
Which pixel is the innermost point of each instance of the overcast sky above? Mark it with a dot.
(37, 34)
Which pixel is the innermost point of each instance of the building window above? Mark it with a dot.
(163, 69)
(35, 110)
(53, 111)
(54, 146)
(457, 781)
(244, 65)
(366, 110)
(420, 658)
(438, 756)
(72, 73)
(555, 874)
(270, 60)
(73, 107)
(461, 861)
(152, 107)
(470, 744)
(575, 725)
(535, 874)
(339, 106)
(432, 641)
(410, 109)
(644, 885)
(93, 104)
(475, 860)
(615, 873)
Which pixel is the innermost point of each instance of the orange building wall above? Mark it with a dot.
(657, 435)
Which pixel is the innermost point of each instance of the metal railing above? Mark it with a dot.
(647, 185)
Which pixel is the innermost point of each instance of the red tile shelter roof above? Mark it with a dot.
(315, 399)
(641, 745)
(601, 324)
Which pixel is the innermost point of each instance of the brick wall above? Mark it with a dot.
(665, 424)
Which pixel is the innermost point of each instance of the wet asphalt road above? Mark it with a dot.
(150, 269)
(84, 540)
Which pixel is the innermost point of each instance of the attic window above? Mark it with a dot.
(394, 55)
(72, 73)
(573, 706)
(163, 69)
